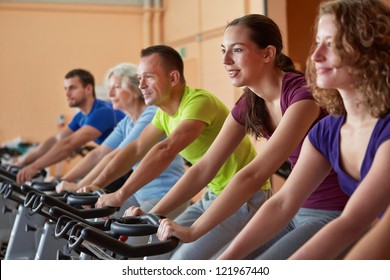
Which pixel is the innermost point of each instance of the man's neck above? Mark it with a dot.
(172, 105)
(87, 106)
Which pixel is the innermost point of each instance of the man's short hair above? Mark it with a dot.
(85, 77)
(172, 59)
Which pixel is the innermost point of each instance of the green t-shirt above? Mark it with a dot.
(198, 104)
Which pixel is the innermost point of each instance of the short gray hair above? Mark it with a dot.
(127, 72)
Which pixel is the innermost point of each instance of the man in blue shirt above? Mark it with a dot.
(123, 83)
(125, 95)
(94, 122)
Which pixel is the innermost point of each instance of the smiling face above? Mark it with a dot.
(122, 96)
(330, 71)
(154, 80)
(117, 94)
(243, 59)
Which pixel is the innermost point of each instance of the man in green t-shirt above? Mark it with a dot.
(191, 119)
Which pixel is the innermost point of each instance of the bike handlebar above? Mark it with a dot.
(81, 232)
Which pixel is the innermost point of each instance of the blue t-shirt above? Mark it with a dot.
(325, 137)
(127, 131)
(102, 117)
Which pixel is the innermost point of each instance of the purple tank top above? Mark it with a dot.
(328, 195)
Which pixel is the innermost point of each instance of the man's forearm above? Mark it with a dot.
(151, 166)
(39, 151)
(57, 153)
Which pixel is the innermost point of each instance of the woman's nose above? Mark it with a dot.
(317, 54)
(226, 59)
(111, 92)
